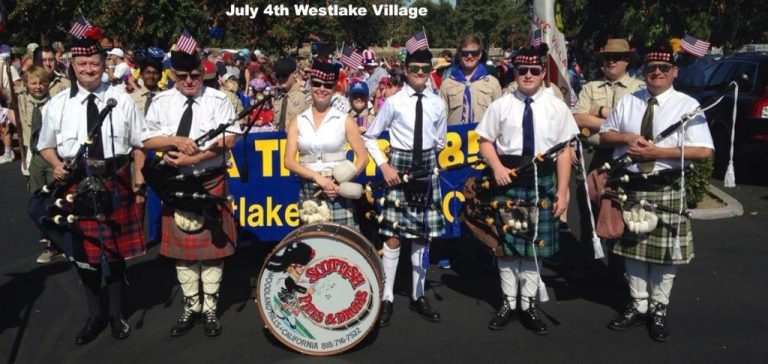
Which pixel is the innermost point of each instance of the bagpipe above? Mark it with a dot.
(187, 192)
(51, 208)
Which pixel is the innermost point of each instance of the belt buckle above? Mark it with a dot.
(97, 167)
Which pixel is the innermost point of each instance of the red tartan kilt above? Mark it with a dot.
(214, 241)
(123, 234)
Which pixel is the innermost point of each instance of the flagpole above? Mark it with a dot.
(425, 35)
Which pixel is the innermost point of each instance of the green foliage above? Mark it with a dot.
(697, 182)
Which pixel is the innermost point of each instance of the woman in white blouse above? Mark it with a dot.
(320, 135)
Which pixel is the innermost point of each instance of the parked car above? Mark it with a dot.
(750, 70)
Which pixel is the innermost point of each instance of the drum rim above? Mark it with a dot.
(308, 229)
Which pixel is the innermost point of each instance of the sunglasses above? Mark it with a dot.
(664, 68)
(615, 57)
(522, 71)
(416, 69)
(473, 54)
(184, 76)
(325, 85)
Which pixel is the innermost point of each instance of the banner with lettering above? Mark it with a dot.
(266, 203)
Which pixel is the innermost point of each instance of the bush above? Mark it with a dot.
(697, 182)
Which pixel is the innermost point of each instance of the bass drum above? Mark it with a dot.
(319, 290)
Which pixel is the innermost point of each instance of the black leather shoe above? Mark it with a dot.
(502, 317)
(93, 327)
(212, 326)
(424, 309)
(120, 328)
(657, 323)
(185, 323)
(386, 313)
(629, 319)
(531, 320)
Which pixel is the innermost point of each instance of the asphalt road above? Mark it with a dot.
(717, 311)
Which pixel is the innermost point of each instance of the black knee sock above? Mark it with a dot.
(115, 286)
(91, 280)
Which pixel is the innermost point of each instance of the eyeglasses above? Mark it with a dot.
(615, 57)
(473, 54)
(416, 69)
(184, 76)
(522, 71)
(325, 85)
(664, 68)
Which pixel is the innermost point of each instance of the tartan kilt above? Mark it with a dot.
(413, 217)
(656, 246)
(342, 209)
(516, 245)
(122, 234)
(217, 239)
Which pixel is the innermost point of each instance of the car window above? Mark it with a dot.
(722, 74)
(745, 68)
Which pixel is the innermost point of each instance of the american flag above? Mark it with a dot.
(351, 58)
(535, 39)
(79, 27)
(694, 46)
(416, 42)
(186, 43)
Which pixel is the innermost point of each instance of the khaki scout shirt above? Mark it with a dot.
(140, 98)
(297, 103)
(25, 114)
(236, 104)
(484, 91)
(58, 84)
(604, 93)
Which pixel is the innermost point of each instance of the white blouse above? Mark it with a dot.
(327, 142)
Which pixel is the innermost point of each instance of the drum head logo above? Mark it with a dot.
(318, 295)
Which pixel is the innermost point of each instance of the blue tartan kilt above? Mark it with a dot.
(548, 239)
(342, 209)
(419, 218)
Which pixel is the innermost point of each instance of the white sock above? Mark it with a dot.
(389, 262)
(509, 272)
(662, 277)
(419, 273)
(211, 274)
(529, 282)
(189, 280)
(637, 276)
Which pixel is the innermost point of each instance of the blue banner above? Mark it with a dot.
(266, 206)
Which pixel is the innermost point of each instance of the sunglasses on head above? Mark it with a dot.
(473, 54)
(664, 68)
(416, 69)
(327, 85)
(522, 71)
(615, 57)
(184, 76)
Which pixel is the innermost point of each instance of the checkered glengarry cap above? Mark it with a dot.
(527, 57)
(660, 53)
(324, 71)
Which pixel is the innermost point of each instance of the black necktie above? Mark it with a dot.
(37, 123)
(96, 149)
(528, 141)
(185, 125)
(150, 95)
(646, 130)
(418, 131)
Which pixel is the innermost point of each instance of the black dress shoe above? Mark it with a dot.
(502, 317)
(657, 324)
(531, 320)
(212, 326)
(120, 328)
(386, 313)
(629, 319)
(93, 327)
(185, 323)
(424, 309)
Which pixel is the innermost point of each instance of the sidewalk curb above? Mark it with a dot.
(732, 207)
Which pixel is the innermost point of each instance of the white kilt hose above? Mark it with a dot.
(428, 218)
(656, 246)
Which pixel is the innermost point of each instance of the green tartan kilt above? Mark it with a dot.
(517, 245)
(428, 218)
(342, 209)
(656, 246)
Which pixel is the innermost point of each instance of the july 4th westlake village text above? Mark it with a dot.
(330, 10)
